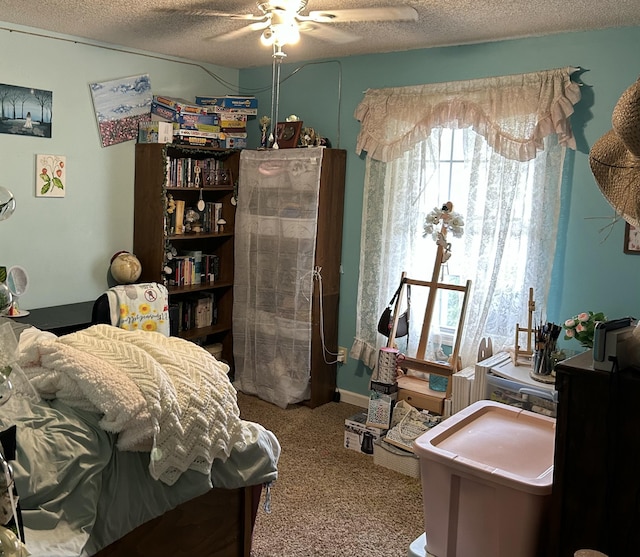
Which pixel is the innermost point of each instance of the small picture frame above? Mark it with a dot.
(288, 134)
(51, 175)
(631, 239)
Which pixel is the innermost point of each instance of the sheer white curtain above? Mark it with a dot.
(515, 130)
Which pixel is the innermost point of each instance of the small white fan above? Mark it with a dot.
(18, 283)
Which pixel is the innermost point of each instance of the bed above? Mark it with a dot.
(101, 470)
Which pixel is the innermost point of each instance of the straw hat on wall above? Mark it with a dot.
(615, 157)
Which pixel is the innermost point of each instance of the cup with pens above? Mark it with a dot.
(545, 353)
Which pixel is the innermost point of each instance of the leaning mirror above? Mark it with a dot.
(17, 282)
(7, 203)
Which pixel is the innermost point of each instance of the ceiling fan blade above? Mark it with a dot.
(328, 33)
(210, 13)
(391, 13)
(239, 33)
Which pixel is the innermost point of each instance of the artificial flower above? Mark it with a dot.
(582, 326)
(449, 219)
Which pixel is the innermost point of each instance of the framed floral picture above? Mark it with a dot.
(631, 239)
(51, 175)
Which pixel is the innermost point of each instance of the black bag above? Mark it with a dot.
(386, 319)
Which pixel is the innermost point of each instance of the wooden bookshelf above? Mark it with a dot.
(155, 184)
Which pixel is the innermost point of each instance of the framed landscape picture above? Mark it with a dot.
(631, 239)
(26, 111)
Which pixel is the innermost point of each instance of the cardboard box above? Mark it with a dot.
(179, 106)
(194, 121)
(358, 436)
(155, 132)
(161, 112)
(235, 111)
(181, 132)
(235, 121)
(233, 140)
(186, 120)
(228, 101)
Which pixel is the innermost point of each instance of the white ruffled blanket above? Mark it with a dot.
(160, 394)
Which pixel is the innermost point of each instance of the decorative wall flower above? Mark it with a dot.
(582, 326)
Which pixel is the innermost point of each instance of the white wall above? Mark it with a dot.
(66, 244)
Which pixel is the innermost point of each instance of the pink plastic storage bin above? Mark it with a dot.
(487, 473)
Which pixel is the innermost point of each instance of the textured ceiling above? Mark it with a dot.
(148, 25)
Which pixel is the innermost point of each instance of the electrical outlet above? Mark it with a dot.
(342, 354)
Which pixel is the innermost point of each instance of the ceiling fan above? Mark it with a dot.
(281, 21)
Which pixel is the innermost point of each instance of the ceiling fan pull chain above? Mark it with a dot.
(278, 55)
(273, 98)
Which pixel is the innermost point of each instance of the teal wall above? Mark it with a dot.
(66, 244)
(591, 272)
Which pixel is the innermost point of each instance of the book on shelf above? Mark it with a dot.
(183, 271)
(181, 172)
(179, 216)
(211, 267)
(196, 257)
(217, 215)
(174, 319)
(207, 217)
(207, 311)
(197, 311)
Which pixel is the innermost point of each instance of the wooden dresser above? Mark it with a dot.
(596, 488)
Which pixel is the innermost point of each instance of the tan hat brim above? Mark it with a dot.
(617, 173)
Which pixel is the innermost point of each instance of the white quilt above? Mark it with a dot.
(160, 394)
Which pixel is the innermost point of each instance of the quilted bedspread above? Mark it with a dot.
(160, 394)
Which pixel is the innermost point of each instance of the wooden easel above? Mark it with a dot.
(428, 398)
(524, 356)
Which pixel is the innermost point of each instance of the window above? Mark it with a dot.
(510, 211)
(495, 148)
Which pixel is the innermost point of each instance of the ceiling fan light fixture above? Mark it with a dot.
(287, 34)
(268, 37)
(280, 35)
(283, 30)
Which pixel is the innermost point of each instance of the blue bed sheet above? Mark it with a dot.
(78, 493)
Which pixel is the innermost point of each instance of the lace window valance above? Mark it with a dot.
(513, 113)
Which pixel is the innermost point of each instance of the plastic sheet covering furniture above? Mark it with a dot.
(288, 235)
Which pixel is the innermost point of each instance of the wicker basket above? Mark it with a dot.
(396, 459)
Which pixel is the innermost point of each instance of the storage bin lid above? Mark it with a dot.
(501, 443)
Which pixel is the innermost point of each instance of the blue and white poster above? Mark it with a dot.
(120, 105)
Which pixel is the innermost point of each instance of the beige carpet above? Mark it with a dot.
(330, 501)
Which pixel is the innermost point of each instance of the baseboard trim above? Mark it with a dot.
(354, 398)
